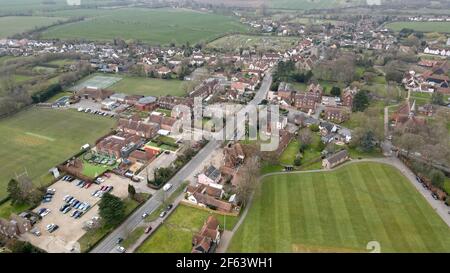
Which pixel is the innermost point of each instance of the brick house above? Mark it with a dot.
(145, 130)
(347, 96)
(206, 240)
(305, 102)
(337, 114)
(335, 159)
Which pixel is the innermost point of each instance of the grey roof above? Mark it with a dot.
(118, 96)
(337, 156)
(147, 100)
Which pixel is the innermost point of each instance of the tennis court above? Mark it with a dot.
(100, 82)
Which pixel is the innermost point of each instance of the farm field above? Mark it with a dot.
(175, 234)
(249, 42)
(154, 26)
(11, 25)
(149, 87)
(443, 27)
(37, 139)
(37, 7)
(341, 211)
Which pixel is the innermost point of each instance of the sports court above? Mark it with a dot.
(100, 82)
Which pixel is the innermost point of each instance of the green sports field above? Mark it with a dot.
(341, 211)
(37, 139)
(149, 87)
(11, 25)
(155, 26)
(443, 27)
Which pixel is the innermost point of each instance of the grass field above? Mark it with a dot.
(149, 87)
(37, 139)
(250, 42)
(339, 211)
(175, 234)
(154, 26)
(421, 26)
(11, 25)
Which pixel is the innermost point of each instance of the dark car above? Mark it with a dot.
(54, 228)
(148, 229)
(119, 240)
(169, 207)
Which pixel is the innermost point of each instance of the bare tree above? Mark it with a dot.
(305, 137)
(249, 179)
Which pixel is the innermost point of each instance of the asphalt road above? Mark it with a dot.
(109, 244)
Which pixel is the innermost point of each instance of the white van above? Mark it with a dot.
(167, 187)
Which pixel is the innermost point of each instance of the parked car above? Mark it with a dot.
(148, 229)
(67, 209)
(121, 249)
(169, 207)
(435, 197)
(162, 214)
(52, 227)
(45, 212)
(167, 187)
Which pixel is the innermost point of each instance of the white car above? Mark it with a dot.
(167, 187)
(50, 226)
(101, 180)
(121, 249)
(46, 212)
(144, 215)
